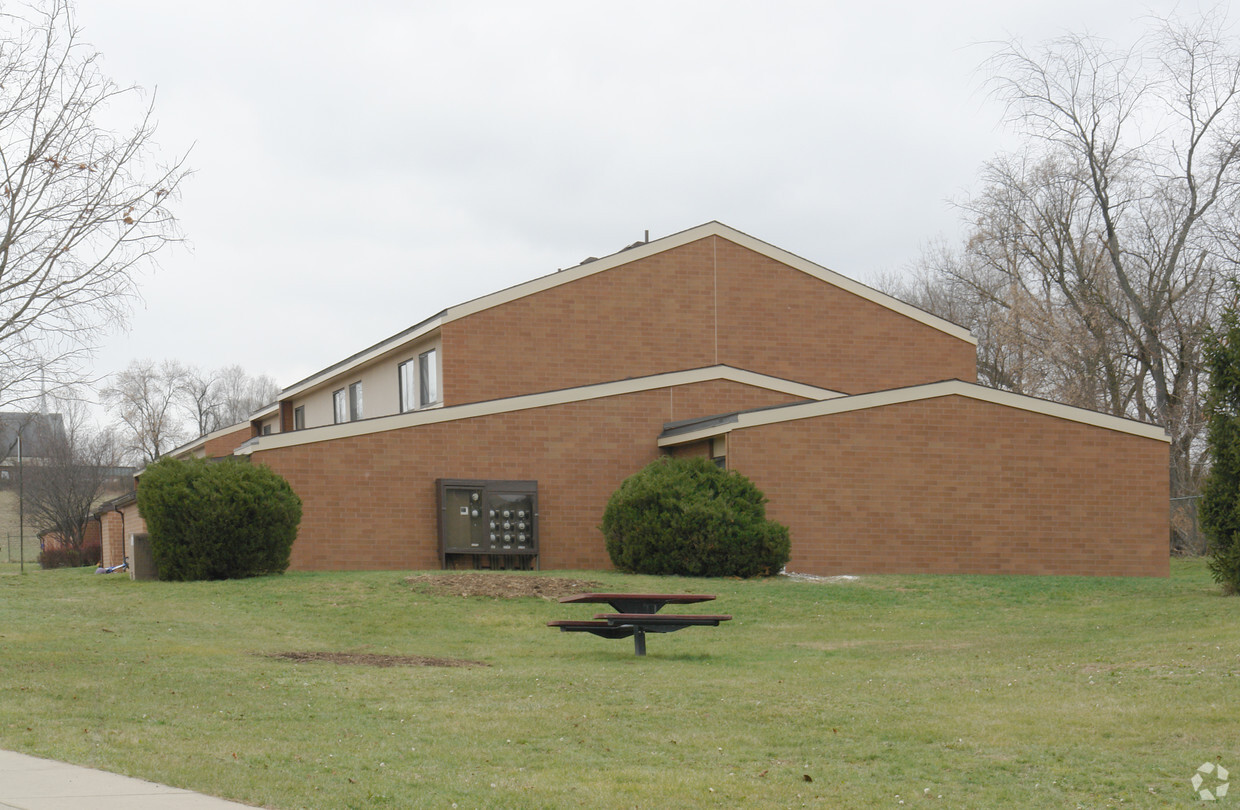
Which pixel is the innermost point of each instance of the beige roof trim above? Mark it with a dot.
(529, 401)
(623, 257)
(201, 441)
(897, 396)
(692, 235)
(365, 357)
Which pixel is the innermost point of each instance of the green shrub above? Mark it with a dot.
(217, 519)
(687, 517)
(1220, 502)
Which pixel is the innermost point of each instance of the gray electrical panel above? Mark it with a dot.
(488, 523)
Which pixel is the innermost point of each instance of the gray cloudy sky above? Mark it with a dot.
(360, 166)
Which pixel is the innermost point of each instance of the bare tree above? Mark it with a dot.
(158, 406)
(241, 395)
(143, 398)
(77, 464)
(200, 398)
(1095, 256)
(82, 208)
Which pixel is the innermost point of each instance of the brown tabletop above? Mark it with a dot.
(639, 602)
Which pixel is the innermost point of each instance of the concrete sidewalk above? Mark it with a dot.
(29, 783)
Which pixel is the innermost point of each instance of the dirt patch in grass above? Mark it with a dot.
(372, 660)
(501, 586)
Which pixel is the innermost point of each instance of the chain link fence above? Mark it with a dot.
(11, 552)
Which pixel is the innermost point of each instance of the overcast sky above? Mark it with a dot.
(360, 166)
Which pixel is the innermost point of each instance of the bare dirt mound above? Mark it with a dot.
(500, 586)
(372, 660)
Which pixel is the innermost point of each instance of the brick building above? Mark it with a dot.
(858, 415)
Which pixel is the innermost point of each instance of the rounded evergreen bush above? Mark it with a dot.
(217, 519)
(687, 517)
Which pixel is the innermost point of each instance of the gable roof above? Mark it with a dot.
(617, 259)
(711, 426)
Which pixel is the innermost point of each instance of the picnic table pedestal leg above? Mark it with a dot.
(639, 641)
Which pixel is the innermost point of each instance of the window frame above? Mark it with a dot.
(407, 385)
(340, 406)
(428, 377)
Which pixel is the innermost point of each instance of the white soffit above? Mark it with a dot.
(382, 424)
(896, 396)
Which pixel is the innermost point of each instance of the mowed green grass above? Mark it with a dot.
(933, 691)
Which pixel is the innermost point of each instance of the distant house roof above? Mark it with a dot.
(37, 430)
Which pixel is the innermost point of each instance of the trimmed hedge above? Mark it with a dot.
(222, 519)
(687, 517)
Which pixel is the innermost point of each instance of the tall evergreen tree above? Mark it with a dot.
(1220, 503)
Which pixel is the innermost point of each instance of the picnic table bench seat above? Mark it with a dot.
(653, 619)
(603, 629)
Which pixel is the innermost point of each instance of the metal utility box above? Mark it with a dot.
(141, 560)
(487, 523)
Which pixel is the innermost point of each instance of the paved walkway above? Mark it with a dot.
(29, 783)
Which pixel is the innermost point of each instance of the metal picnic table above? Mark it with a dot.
(637, 614)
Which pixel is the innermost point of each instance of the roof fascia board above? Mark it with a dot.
(896, 396)
(617, 259)
(202, 440)
(849, 285)
(580, 271)
(692, 235)
(364, 357)
(529, 401)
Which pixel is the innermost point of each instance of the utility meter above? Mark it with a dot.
(491, 521)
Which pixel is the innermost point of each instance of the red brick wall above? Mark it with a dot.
(694, 450)
(112, 532)
(953, 485)
(226, 444)
(369, 501)
(702, 304)
(789, 324)
(115, 528)
(90, 537)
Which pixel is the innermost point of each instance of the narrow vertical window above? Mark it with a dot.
(355, 402)
(407, 375)
(428, 378)
(299, 417)
(340, 406)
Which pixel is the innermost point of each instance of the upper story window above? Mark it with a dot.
(419, 381)
(428, 378)
(299, 417)
(355, 402)
(407, 374)
(340, 406)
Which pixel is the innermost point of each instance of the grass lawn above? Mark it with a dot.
(926, 691)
